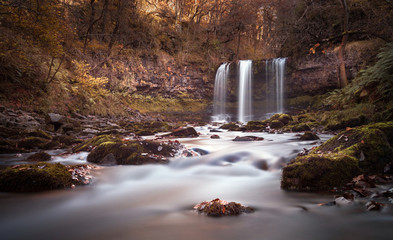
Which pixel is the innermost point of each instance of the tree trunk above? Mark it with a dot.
(343, 81)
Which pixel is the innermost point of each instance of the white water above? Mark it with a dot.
(220, 94)
(155, 201)
(279, 66)
(245, 91)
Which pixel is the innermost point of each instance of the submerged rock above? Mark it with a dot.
(215, 136)
(219, 208)
(231, 127)
(247, 139)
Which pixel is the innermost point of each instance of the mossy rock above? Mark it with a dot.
(66, 140)
(342, 124)
(282, 117)
(302, 127)
(231, 127)
(145, 132)
(38, 133)
(183, 133)
(316, 172)
(8, 132)
(131, 153)
(39, 157)
(32, 142)
(309, 136)
(9, 146)
(276, 124)
(256, 125)
(95, 141)
(368, 144)
(35, 177)
(385, 127)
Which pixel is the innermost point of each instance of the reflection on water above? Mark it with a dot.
(155, 201)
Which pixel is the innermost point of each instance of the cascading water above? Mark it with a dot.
(279, 66)
(220, 94)
(258, 97)
(245, 91)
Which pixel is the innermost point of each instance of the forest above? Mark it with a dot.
(120, 119)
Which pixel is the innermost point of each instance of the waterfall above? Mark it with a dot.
(279, 67)
(245, 91)
(220, 94)
(249, 97)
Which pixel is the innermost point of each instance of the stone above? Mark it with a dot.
(219, 208)
(309, 136)
(247, 139)
(215, 136)
(39, 157)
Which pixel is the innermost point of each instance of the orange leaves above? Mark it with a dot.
(313, 50)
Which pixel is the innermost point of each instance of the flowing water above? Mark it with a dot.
(245, 91)
(155, 201)
(220, 94)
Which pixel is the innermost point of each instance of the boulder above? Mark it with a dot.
(247, 139)
(183, 133)
(32, 142)
(215, 136)
(39, 157)
(219, 208)
(35, 177)
(363, 149)
(309, 136)
(276, 124)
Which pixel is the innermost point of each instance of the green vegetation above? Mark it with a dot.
(35, 177)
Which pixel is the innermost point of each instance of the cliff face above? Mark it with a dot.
(318, 74)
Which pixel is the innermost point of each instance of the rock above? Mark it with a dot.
(262, 164)
(200, 151)
(247, 138)
(215, 130)
(219, 208)
(38, 133)
(256, 125)
(309, 136)
(130, 153)
(363, 149)
(300, 128)
(54, 119)
(32, 142)
(231, 127)
(316, 172)
(282, 117)
(276, 124)
(95, 141)
(8, 132)
(35, 177)
(374, 206)
(183, 132)
(39, 157)
(215, 136)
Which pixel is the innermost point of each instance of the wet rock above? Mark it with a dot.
(359, 150)
(54, 119)
(38, 133)
(80, 174)
(309, 136)
(231, 127)
(300, 128)
(183, 133)
(262, 164)
(39, 157)
(247, 139)
(215, 130)
(276, 124)
(88, 145)
(131, 153)
(282, 117)
(35, 177)
(8, 132)
(374, 206)
(256, 125)
(315, 172)
(214, 136)
(200, 151)
(219, 208)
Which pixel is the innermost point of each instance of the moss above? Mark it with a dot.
(256, 125)
(39, 157)
(300, 127)
(282, 117)
(231, 126)
(308, 136)
(276, 124)
(32, 142)
(316, 172)
(38, 133)
(130, 153)
(95, 141)
(367, 144)
(8, 132)
(66, 140)
(35, 177)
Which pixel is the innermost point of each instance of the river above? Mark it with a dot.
(155, 201)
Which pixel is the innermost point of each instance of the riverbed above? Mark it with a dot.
(156, 201)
